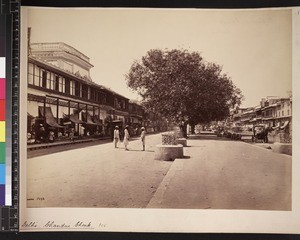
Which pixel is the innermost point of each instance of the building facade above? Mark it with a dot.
(63, 99)
(273, 112)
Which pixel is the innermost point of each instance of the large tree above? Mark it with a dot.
(183, 87)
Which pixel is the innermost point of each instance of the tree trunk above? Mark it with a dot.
(183, 128)
(193, 129)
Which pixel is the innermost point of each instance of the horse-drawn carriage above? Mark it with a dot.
(260, 133)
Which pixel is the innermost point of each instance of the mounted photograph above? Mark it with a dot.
(159, 110)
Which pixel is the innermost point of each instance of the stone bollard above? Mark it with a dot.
(182, 141)
(169, 149)
(285, 148)
(168, 152)
(168, 138)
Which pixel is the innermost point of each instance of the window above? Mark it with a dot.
(62, 84)
(84, 91)
(67, 86)
(77, 88)
(44, 79)
(48, 81)
(72, 87)
(30, 73)
(52, 78)
(98, 97)
(288, 112)
(282, 113)
(56, 83)
(104, 98)
(92, 96)
(36, 79)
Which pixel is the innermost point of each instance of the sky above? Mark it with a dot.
(253, 46)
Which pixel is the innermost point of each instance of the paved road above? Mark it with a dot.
(216, 174)
(226, 175)
(96, 176)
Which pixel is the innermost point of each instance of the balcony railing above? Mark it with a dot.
(58, 46)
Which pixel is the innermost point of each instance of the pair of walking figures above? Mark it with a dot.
(127, 136)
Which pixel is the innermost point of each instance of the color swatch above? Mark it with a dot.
(2, 131)
(2, 116)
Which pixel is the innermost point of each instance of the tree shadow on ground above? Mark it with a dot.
(135, 150)
(172, 159)
(208, 137)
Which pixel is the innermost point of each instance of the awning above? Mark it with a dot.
(97, 120)
(285, 125)
(245, 120)
(50, 120)
(117, 121)
(87, 118)
(73, 118)
(277, 126)
(30, 116)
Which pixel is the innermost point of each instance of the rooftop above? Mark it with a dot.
(35, 48)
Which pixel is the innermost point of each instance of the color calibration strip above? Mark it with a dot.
(2, 116)
(5, 122)
(9, 129)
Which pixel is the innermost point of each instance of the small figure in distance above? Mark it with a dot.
(51, 136)
(143, 137)
(126, 137)
(116, 136)
(71, 135)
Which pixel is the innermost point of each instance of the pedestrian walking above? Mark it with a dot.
(143, 137)
(126, 138)
(116, 136)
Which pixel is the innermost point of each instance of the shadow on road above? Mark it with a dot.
(135, 150)
(62, 148)
(208, 137)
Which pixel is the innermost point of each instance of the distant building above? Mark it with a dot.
(274, 112)
(136, 116)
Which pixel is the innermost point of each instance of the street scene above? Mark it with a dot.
(133, 179)
(174, 115)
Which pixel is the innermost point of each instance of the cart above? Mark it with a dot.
(260, 133)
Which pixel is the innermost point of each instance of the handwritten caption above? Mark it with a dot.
(56, 225)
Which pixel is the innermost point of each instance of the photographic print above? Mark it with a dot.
(158, 110)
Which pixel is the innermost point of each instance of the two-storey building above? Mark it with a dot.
(63, 98)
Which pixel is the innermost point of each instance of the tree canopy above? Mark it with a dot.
(181, 86)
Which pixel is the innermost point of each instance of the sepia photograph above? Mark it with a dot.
(158, 109)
